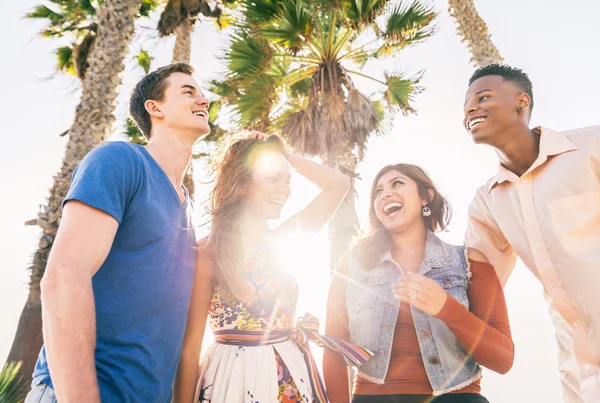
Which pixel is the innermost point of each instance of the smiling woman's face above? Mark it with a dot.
(269, 187)
(397, 202)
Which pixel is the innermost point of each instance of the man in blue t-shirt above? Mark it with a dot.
(118, 281)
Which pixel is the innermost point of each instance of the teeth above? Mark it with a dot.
(475, 122)
(389, 206)
(199, 113)
(278, 202)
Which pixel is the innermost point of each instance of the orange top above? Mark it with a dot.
(483, 330)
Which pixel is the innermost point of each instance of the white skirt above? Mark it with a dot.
(233, 374)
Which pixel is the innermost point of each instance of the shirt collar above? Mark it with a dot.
(551, 143)
(436, 254)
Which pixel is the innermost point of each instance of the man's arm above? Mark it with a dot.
(82, 243)
(485, 240)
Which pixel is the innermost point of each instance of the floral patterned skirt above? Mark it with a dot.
(262, 374)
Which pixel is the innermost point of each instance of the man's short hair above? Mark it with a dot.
(511, 74)
(152, 86)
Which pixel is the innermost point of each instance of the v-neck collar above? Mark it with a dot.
(175, 193)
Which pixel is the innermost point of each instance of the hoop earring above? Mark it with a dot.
(426, 211)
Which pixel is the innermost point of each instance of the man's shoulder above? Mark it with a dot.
(482, 191)
(116, 150)
(584, 136)
(114, 155)
(584, 131)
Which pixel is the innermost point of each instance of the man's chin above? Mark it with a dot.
(202, 132)
(480, 137)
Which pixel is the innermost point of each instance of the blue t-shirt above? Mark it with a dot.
(142, 290)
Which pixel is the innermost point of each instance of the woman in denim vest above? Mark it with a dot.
(430, 312)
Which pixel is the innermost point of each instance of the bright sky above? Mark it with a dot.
(554, 44)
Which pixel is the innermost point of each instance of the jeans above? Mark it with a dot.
(41, 393)
(447, 398)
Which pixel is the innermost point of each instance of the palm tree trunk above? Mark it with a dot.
(474, 33)
(93, 123)
(183, 42)
(344, 224)
(181, 54)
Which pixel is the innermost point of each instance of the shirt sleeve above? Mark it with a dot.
(484, 234)
(106, 179)
(335, 372)
(484, 330)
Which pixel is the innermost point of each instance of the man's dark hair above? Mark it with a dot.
(152, 86)
(511, 74)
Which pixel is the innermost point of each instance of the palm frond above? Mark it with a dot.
(43, 12)
(146, 7)
(262, 11)
(300, 88)
(299, 74)
(401, 91)
(11, 387)
(64, 59)
(361, 13)
(360, 58)
(361, 118)
(408, 24)
(254, 100)
(248, 55)
(291, 28)
(86, 5)
(221, 87)
(301, 130)
(144, 59)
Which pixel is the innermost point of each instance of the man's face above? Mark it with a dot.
(491, 109)
(184, 107)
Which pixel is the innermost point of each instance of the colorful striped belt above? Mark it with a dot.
(306, 329)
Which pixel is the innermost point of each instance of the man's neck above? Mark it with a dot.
(519, 150)
(172, 154)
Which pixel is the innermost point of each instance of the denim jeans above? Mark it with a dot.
(447, 398)
(41, 393)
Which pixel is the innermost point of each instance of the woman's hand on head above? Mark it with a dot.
(273, 138)
(256, 135)
(421, 292)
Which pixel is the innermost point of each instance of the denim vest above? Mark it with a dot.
(373, 312)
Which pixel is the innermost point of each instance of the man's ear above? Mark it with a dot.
(523, 101)
(153, 108)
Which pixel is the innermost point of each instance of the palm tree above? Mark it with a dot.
(291, 67)
(114, 26)
(474, 33)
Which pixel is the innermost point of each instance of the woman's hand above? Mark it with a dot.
(273, 138)
(256, 135)
(421, 292)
